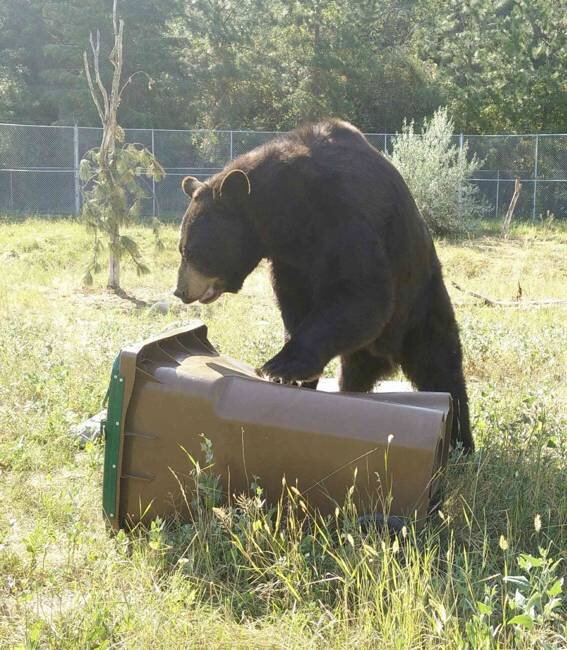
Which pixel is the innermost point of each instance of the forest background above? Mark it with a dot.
(269, 64)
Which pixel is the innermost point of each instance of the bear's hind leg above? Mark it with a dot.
(361, 370)
(432, 360)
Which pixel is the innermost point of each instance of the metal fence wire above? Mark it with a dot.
(39, 166)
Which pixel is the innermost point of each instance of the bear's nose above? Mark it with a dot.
(178, 294)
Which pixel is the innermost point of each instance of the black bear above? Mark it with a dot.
(354, 267)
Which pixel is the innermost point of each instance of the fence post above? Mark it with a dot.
(534, 200)
(153, 179)
(497, 192)
(11, 204)
(385, 143)
(76, 166)
(231, 145)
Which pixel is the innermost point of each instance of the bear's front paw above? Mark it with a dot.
(289, 367)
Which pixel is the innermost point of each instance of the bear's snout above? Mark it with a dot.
(181, 295)
(192, 285)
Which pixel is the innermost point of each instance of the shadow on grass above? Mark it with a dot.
(138, 302)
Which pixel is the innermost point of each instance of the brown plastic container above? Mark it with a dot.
(167, 392)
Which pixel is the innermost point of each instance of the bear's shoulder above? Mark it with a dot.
(305, 141)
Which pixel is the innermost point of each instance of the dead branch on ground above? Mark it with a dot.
(490, 302)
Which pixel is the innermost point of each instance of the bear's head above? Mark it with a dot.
(218, 243)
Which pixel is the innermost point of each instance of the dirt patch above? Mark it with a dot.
(143, 299)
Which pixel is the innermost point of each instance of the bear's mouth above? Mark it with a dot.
(210, 295)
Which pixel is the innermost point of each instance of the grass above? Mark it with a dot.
(483, 573)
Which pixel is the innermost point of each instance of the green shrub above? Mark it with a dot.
(437, 172)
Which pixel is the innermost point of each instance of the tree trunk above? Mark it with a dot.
(114, 262)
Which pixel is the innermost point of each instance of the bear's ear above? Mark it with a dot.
(190, 185)
(235, 185)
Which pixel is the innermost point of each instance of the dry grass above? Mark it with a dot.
(237, 582)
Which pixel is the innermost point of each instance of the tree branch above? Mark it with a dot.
(490, 302)
(96, 61)
(131, 78)
(115, 17)
(92, 88)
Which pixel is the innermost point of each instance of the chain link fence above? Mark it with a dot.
(39, 167)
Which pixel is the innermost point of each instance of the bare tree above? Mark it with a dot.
(111, 173)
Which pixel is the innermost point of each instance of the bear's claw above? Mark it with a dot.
(287, 368)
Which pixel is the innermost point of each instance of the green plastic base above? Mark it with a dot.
(112, 429)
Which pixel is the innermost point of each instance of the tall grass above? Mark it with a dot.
(482, 573)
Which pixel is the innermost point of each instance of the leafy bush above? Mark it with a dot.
(437, 173)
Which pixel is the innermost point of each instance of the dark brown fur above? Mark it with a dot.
(354, 267)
